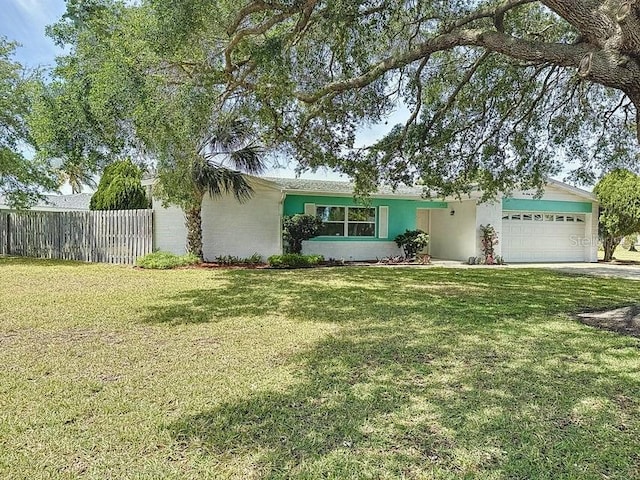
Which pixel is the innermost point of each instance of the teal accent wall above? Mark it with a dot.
(402, 213)
(533, 205)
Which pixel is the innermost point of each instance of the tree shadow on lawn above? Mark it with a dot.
(429, 376)
(394, 400)
(344, 295)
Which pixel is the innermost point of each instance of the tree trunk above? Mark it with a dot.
(295, 246)
(632, 248)
(193, 223)
(610, 244)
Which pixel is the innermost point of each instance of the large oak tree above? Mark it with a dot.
(499, 91)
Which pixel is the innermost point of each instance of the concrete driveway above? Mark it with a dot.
(629, 272)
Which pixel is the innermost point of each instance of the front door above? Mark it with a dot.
(423, 222)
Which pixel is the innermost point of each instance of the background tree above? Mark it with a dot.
(619, 195)
(77, 176)
(134, 96)
(22, 180)
(65, 130)
(120, 188)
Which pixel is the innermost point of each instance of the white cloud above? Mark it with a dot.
(24, 21)
(37, 10)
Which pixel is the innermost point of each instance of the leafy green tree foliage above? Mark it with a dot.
(136, 95)
(22, 180)
(498, 91)
(298, 228)
(79, 117)
(63, 129)
(120, 188)
(619, 195)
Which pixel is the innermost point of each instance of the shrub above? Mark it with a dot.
(412, 241)
(120, 188)
(294, 260)
(230, 260)
(166, 260)
(297, 228)
(488, 239)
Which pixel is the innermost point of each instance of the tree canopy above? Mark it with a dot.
(499, 92)
(128, 101)
(619, 195)
(22, 179)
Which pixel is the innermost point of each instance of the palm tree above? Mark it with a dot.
(218, 169)
(76, 175)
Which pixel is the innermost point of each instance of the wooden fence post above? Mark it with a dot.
(8, 233)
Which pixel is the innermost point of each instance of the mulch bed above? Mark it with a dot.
(625, 321)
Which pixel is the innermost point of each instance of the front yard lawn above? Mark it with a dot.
(111, 372)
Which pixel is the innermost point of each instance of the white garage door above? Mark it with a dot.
(543, 237)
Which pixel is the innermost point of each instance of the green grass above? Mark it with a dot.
(113, 372)
(623, 254)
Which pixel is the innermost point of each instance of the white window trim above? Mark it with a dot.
(346, 222)
(576, 217)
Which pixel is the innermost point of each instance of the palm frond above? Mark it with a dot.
(225, 154)
(249, 159)
(231, 141)
(218, 181)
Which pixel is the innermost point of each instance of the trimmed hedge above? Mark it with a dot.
(166, 260)
(294, 260)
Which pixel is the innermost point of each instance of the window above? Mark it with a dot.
(537, 217)
(347, 221)
(580, 218)
(526, 216)
(548, 217)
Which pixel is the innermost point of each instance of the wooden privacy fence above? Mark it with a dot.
(113, 236)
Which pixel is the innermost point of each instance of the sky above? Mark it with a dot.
(24, 21)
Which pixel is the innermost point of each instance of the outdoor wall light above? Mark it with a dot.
(452, 213)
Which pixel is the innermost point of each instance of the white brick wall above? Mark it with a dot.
(242, 229)
(351, 250)
(169, 231)
(228, 226)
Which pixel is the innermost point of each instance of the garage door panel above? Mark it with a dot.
(533, 240)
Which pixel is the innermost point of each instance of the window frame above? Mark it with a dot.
(544, 217)
(346, 222)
